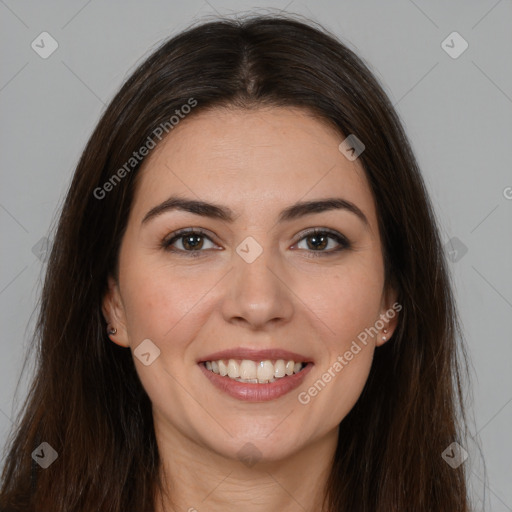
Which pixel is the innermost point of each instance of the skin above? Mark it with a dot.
(256, 162)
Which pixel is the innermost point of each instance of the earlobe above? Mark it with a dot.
(113, 313)
(389, 317)
(389, 328)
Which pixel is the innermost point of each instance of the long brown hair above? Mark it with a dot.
(86, 400)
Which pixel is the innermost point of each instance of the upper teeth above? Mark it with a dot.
(261, 372)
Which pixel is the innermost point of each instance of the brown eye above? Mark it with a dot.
(319, 240)
(187, 240)
(192, 242)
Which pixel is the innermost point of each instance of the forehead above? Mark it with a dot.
(242, 158)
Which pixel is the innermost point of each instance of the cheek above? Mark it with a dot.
(347, 301)
(348, 306)
(349, 344)
(157, 300)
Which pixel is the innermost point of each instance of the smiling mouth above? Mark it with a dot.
(255, 372)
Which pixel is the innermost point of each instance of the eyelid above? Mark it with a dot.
(328, 231)
(186, 231)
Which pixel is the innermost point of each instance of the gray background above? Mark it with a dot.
(457, 113)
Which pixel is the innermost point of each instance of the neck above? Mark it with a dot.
(197, 479)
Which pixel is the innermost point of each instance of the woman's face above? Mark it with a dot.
(255, 286)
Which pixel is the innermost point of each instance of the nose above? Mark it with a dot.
(257, 294)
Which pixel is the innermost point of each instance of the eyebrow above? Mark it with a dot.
(224, 213)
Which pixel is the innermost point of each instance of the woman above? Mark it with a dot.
(246, 306)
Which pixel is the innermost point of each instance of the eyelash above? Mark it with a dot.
(338, 237)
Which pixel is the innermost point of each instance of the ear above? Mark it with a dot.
(390, 309)
(114, 314)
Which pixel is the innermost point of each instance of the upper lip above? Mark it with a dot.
(255, 355)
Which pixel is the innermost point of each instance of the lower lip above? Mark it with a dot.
(249, 392)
